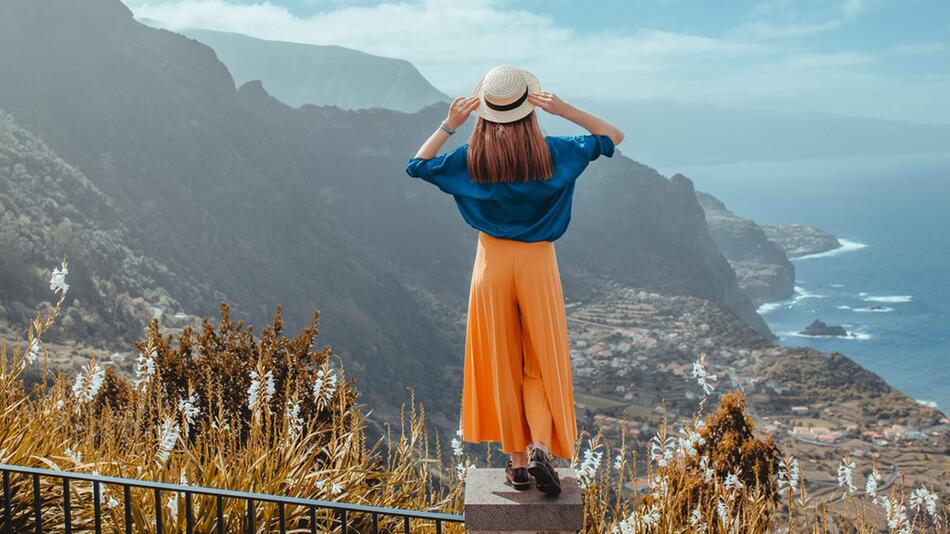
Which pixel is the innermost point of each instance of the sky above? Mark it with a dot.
(870, 58)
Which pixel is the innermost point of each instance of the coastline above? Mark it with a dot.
(876, 304)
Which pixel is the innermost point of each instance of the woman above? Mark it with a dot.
(515, 186)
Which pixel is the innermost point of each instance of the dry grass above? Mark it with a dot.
(189, 419)
(226, 408)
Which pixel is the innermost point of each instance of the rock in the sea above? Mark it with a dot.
(800, 239)
(819, 328)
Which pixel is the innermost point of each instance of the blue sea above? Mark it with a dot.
(889, 286)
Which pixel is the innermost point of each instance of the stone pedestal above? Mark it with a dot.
(494, 507)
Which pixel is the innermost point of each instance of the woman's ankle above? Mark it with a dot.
(519, 459)
(540, 445)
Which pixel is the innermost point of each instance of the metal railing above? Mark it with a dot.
(342, 509)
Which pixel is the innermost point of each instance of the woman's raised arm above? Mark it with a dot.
(550, 103)
(459, 110)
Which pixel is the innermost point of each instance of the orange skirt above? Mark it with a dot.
(517, 385)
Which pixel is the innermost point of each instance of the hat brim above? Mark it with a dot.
(510, 115)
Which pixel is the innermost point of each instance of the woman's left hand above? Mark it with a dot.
(460, 109)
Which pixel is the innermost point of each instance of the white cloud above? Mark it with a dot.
(769, 30)
(454, 43)
(920, 49)
(790, 19)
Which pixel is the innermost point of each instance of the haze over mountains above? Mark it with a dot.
(663, 132)
(299, 74)
(235, 195)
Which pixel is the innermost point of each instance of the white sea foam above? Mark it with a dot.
(890, 299)
(802, 293)
(769, 307)
(846, 246)
(929, 404)
(837, 285)
(881, 309)
(852, 336)
(844, 307)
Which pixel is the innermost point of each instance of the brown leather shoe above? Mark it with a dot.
(544, 473)
(518, 477)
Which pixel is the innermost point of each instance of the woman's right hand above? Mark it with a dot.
(548, 101)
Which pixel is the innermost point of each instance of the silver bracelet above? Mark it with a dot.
(450, 131)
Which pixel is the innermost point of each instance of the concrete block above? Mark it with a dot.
(492, 506)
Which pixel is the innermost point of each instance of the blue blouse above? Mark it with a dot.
(536, 210)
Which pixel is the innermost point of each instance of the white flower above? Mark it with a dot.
(336, 489)
(689, 441)
(172, 506)
(269, 390)
(215, 424)
(896, 515)
(98, 375)
(626, 525)
(57, 282)
(732, 482)
(74, 456)
(708, 472)
(79, 385)
(870, 487)
(320, 484)
(618, 462)
(723, 512)
(252, 390)
(167, 438)
(292, 413)
(462, 469)
(651, 518)
(33, 353)
(701, 376)
(660, 487)
(144, 368)
(695, 520)
(589, 465)
(923, 497)
(845, 478)
(457, 442)
(788, 476)
(325, 386)
(87, 386)
(662, 450)
(189, 409)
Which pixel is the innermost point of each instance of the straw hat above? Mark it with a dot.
(503, 94)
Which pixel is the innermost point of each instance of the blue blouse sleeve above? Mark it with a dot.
(445, 170)
(593, 146)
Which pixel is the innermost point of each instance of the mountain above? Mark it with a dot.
(250, 200)
(801, 239)
(764, 272)
(299, 74)
(204, 182)
(669, 133)
(48, 210)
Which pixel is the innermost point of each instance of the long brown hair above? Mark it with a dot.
(509, 152)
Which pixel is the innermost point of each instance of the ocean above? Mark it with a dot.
(889, 285)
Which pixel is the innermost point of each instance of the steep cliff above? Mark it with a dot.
(764, 272)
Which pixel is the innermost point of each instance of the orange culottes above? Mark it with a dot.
(517, 385)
